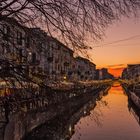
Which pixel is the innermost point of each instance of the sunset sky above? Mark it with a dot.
(120, 47)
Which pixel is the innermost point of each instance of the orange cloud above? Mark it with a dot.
(116, 66)
(116, 71)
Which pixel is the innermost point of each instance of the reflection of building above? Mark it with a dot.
(2, 129)
(134, 110)
(63, 126)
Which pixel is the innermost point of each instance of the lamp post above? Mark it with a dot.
(65, 78)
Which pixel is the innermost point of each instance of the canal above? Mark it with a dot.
(111, 117)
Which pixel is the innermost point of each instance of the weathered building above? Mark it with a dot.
(97, 74)
(39, 57)
(104, 74)
(132, 72)
(59, 60)
(124, 74)
(66, 62)
(92, 69)
(85, 69)
(13, 53)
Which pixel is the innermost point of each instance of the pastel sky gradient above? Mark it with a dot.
(118, 55)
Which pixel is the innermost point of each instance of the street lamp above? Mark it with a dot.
(30, 53)
(65, 77)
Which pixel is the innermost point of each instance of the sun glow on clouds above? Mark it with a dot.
(120, 47)
(115, 71)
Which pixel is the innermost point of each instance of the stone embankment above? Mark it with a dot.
(25, 120)
(133, 92)
(34, 98)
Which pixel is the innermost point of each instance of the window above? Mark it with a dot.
(33, 57)
(20, 54)
(59, 67)
(6, 32)
(19, 38)
(27, 42)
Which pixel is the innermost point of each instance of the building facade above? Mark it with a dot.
(132, 72)
(85, 69)
(39, 57)
(13, 52)
(103, 74)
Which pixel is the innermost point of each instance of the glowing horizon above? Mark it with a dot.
(120, 47)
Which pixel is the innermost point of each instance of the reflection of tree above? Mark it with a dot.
(97, 114)
(62, 126)
(2, 129)
(97, 117)
(103, 103)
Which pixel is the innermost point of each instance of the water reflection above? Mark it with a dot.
(68, 114)
(62, 127)
(112, 116)
(134, 110)
(116, 123)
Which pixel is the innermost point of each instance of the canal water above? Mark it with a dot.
(113, 118)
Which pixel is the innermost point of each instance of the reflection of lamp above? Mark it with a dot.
(65, 77)
(70, 129)
(85, 112)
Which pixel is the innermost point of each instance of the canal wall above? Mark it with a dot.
(24, 122)
(62, 126)
(35, 99)
(135, 97)
(125, 88)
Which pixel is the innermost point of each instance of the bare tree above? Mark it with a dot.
(74, 21)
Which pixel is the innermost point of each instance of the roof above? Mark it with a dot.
(49, 38)
(85, 60)
(13, 21)
(81, 58)
(133, 65)
(60, 43)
